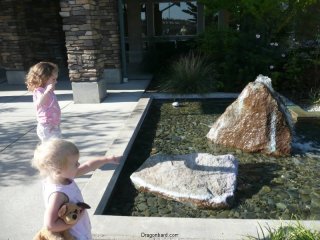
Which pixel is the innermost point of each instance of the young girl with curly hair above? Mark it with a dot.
(41, 80)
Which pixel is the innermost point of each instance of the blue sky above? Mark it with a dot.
(175, 11)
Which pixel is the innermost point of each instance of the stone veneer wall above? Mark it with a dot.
(110, 33)
(11, 48)
(92, 39)
(31, 31)
(86, 33)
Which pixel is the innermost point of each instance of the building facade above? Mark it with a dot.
(93, 41)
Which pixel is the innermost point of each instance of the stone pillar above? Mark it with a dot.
(150, 19)
(200, 18)
(110, 45)
(81, 25)
(150, 24)
(134, 31)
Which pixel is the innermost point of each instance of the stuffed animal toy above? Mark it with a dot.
(69, 213)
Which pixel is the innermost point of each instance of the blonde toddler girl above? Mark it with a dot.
(58, 161)
(41, 80)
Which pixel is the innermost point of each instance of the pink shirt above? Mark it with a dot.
(49, 111)
(82, 230)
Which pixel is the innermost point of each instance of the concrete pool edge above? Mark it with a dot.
(99, 189)
(115, 227)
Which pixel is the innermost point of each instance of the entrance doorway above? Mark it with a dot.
(157, 24)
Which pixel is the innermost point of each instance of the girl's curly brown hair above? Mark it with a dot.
(39, 74)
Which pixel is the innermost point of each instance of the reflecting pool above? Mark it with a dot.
(267, 187)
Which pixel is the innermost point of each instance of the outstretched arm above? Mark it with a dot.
(95, 163)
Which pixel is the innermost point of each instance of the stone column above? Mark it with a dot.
(150, 19)
(81, 25)
(110, 45)
(150, 23)
(200, 18)
(134, 31)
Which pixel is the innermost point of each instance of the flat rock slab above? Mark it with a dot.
(200, 179)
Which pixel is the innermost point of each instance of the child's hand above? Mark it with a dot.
(50, 87)
(114, 159)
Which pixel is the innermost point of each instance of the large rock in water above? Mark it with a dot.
(258, 121)
(200, 179)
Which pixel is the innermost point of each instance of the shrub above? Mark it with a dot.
(192, 73)
(280, 39)
(298, 73)
(239, 56)
(314, 96)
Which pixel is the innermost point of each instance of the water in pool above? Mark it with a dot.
(267, 187)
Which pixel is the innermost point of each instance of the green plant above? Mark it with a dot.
(240, 56)
(268, 37)
(159, 54)
(192, 73)
(314, 96)
(298, 73)
(290, 232)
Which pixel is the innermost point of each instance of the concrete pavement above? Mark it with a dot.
(92, 127)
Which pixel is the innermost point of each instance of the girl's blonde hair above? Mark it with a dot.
(52, 155)
(39, 74)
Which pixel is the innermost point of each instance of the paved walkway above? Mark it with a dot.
(92, 127)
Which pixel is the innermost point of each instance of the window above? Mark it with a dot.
(175, 18)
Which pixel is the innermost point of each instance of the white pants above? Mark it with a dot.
(46, 131)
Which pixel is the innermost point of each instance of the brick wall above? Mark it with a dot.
(31, 31)
(82, 35)
(11, 48)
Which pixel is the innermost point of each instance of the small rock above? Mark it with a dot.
(281, 206)
(175, 104)
(265, 189)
